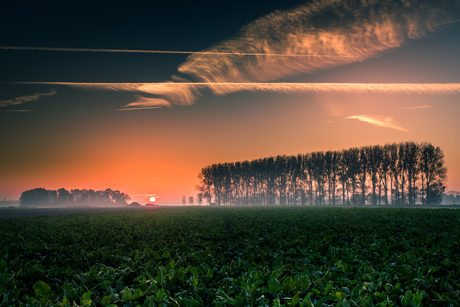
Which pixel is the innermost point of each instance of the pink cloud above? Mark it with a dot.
(377, 120)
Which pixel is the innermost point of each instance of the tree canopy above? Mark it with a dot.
(63, 197)
(406, 173)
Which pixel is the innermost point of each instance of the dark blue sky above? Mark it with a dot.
(150, 25)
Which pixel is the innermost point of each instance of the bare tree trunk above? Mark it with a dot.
(386, 190)
(423, 188)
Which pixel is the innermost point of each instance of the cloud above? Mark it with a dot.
(143, 103)
(23, 99)
(416, 108)
(214, 53)
(352, 31)
(377, 120)
(319, 35)
(14, 110)
(176, 93)
(187, 93)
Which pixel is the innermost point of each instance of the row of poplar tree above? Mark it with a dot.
(393, 174)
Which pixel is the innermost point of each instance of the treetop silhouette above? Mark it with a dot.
(406, 173)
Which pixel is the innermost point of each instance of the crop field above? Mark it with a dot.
(19, 212)
(233, 256)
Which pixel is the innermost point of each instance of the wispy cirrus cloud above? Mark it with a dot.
(23, 99)
(416, 108)
(14, 110)
(319, 35)
(351, 30)
(186, 93)
(143, 103)
(378, 120)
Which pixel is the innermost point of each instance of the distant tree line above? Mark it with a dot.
(63, 197)
(451, 197)
(393, 174)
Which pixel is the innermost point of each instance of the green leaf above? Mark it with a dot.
(137, 294)
(288, 285)
(106, 300)
(5, 276)
(193, 303)
(209, 274)
(274, 285)
(160, 295)
(195, 281)
(408, 295)
(127, 294)
(64, 302)
(306, 302)
(328, 288)
(42, 289)
(5, 301)
(86, 299)
(295, 299)
(14, 293)
(340, 296)
(417, 299)
(2, 288)
(320, 302)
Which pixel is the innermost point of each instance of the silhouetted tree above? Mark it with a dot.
(119, 198)
(35, 197)
(43, 197)
(313, 177)
(411, 158)
(342, 173)
(393, 160)
(384, 171)
(363, 170)
(374, 158)
(64, 196)
(433, 173)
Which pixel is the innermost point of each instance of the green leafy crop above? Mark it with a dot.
(233, 256)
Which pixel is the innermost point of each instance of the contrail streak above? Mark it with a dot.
(185, 93)
(434, 88)
(14, 110)
(170, 52)
(445, 23)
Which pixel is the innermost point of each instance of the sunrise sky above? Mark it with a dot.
(139, 97)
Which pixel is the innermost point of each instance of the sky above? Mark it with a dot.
(138, 97)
